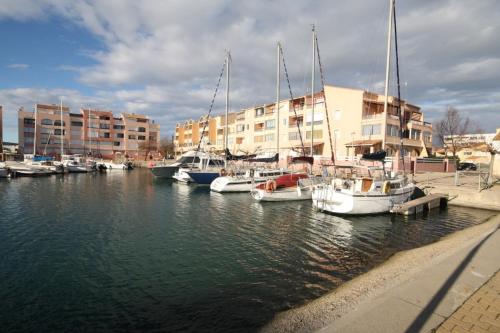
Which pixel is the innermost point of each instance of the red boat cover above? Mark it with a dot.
(289, 180)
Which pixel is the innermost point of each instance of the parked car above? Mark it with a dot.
(467, 166)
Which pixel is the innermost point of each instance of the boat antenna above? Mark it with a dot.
(292, 99)
(278, 72)
(399, 88)
(312, 87)
(62, 131)
(324, 98)
(228, 57)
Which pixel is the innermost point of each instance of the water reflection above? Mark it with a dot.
(131, 252)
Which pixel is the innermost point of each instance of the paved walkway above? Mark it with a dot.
(480, 313)
(414, 291)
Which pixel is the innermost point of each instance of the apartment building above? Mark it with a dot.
(53, 129)
(1, 129)
(357, 120)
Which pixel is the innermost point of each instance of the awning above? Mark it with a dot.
(363, 143)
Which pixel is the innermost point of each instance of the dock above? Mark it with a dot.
(423, 204)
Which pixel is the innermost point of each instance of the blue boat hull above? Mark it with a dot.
(204, 177)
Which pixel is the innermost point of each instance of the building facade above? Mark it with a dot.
(1, 129)
(53, 130)
(357, 124)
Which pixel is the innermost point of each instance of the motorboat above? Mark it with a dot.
(78, 164)
(18, 169)
(203, 172)
(245, 183)
(188, 159)
(284, 188)
(4, 171)
(111, 166)
(44, 162)
(360, 193)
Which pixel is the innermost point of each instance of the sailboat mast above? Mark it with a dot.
(34, 138)
(62, 132)
(90, 135)
(387, 71)
(312, 88)
(278, 72)
(226, 134)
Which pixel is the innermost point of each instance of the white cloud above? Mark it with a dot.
(18, 66)
(171, 51)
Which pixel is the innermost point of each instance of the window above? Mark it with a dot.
(427, 137)
(141, 137)
(119, 127)
(367, 130)
(239, 141)
(45, 130)
(58, 123)
(29, 130)
(258, 138)
(258, 127)
(104, 126)
(338, 114)
(259, 112)
(58, 131)
(106, 135)
(270, 124)
(116, 143)
(318, 134)
(76, 142)
(392, 130)
(47, 122)
(415, 134)
(77, 123)
(132, 137)
(141, 129)
(104, 117)
(318, 118)
(120, 135)
(240, 128)
(293, 136)
(269, 137)
(29, 121)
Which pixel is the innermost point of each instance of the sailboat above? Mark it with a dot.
(293, 186)
(210, 169)
(254, 176)
(367, 190)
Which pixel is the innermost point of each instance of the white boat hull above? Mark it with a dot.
(327, 198)
(286, 194)
(234, 184)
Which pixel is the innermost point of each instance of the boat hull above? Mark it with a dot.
(164, 171)
(328, 199)
(228, 184)
(286, 194)
(203, 177)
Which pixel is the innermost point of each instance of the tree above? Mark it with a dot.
(166, 147)
(451, 129)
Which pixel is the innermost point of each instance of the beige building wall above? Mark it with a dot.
(1, 129)
(357, 125)
(90, 131)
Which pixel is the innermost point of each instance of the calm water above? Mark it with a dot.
(114, 252)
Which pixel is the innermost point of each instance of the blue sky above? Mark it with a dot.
(162, 58)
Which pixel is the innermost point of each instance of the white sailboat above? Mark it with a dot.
(366, 190)
(293, 186)
(254, 176)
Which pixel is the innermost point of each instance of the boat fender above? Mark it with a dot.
(386, 188)
(222, 172)
(270, 186)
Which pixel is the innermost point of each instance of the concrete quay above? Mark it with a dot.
(466, 193)
(414, 291)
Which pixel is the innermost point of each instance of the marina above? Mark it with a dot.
(145, 253)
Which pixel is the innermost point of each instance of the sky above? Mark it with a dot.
(163, 58)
